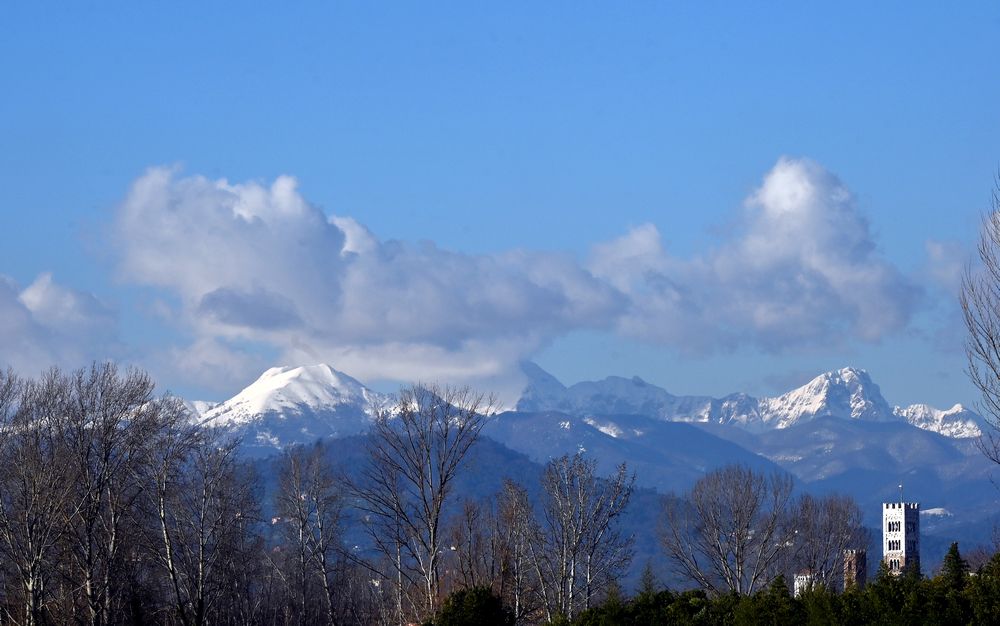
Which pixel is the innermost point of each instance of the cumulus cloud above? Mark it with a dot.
(802, 268)
(46, 324)
(258, 262)
(254, 262)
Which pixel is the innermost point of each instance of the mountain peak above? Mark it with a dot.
(285, 387)
(852, 377)
(320, 371)
(537, 376)
(296, 404)
(851, 374)
(846, 393)
(542, 390)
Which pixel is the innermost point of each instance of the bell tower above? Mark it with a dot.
(901, 536)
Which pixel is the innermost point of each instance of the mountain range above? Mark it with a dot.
(835, 433)
(299, 404)
(848, 393)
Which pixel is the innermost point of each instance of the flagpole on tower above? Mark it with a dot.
(900, 493)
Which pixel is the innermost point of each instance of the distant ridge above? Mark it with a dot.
(288, 405)
(848, 393)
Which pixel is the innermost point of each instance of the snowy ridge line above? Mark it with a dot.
(848, 393)
(288, 405)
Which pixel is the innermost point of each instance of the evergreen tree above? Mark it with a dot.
(983, 593)
(476, 606)
(954, 569)
(651, 605)
(884, 596)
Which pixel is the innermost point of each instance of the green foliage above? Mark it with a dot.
(983, 592)
(476, 606)
(954, 570)
(773, 605)
(821, 607)
(611, 612)
(953, 597)
(944, 597)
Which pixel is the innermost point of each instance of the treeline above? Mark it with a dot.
(117, 508)
(955, 596)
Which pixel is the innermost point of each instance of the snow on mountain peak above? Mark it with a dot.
(957, 421)
(846, 393)
(287, 388)
(296, 405)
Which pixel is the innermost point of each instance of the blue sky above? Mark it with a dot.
(518, 154)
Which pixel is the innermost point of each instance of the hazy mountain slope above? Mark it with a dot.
(869, 460)
(666, 455)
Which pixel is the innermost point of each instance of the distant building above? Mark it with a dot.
(803, 581)
(855, 568)
(901, 536)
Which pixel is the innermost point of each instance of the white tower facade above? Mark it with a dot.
(901, 535)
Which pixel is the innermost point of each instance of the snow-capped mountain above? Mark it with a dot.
(289, 405)
(848, 393)
(629, 396)
(957, 421)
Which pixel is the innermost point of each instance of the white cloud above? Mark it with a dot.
(209, 363)
(803, 268)
(254, 262)
(46, 324)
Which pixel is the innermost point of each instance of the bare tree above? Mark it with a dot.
(475, 541)
(518, 539)
(582, 548)
(417, 447)
(111, 417)
(206, 508)
(824, 527)
(607, 552)
(730, 531)
(36, 487)
(310, 506)
(980, 302)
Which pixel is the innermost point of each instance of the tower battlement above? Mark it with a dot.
(901, 505)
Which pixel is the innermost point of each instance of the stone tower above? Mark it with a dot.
(901, 535)
(855, 568)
